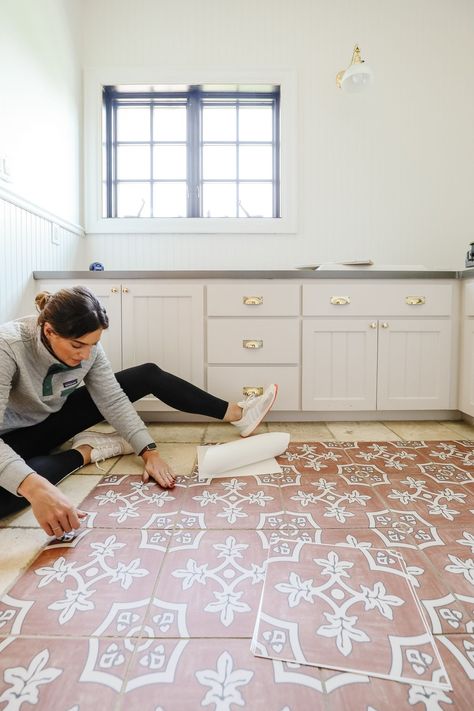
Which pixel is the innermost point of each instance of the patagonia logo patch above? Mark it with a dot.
(70, 383)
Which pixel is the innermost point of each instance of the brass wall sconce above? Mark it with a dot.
(357, 76)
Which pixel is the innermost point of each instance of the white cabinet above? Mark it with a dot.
(366, 358)
(253, 338)
(151, 321)
(466, 381)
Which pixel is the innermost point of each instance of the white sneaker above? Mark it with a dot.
(104, 445)
(254, 410)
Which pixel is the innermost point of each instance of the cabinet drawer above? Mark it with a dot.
(412, 298)
(228, 383)
(253, 341)
(253, 299)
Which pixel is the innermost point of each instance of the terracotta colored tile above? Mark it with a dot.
(443, 613)
(390, 457)
(316, 457)
(244, 502)
(126, 502)
(440, 504)
(223, 675)
(331, 502)
(453, 559)
(90, 586)
(210, 584)
(52, 673)
(355, 692)
(347, 608)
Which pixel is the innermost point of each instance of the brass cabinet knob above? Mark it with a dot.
(384, 324)
(415, 300)
(252, 343)
(252, 390)
(340, 300)
(114, 290)
(252, 300)
(125, 290)
(373, 324)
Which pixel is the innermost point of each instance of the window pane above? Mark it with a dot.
(169, 200)
(219, 162)
(255, 123)
(219, 123)
(256, 199)
(133, 200)
(255, 162)
(219, 200)
(169, 123)
(169, 162)
(133, 123)
(133, 162)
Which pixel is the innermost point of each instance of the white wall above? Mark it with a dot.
(40, 133)
(387, 174)
(41, 101)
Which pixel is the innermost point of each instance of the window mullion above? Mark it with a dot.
(193, 154)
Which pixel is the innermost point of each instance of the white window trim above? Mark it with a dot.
(96, 78)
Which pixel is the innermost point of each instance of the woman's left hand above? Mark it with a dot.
(156, 468)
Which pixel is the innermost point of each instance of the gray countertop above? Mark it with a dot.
(258, 274)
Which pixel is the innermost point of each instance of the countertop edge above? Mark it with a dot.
(256, 274)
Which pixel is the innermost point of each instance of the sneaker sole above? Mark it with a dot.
(247, 434)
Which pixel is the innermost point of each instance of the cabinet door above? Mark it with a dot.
(339, 364)
(109, 295)
(163, 324)
(414, 364)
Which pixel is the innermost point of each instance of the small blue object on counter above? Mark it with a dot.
(96, 267)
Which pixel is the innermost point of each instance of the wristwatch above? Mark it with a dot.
(149, 448)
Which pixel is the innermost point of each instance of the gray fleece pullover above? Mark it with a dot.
(34, 384)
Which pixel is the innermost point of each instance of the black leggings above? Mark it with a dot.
(79, 412)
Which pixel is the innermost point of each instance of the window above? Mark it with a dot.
(191, 152)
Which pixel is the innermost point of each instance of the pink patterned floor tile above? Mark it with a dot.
(453, 560)
(391, 457)
(62, 674)
(320, 458)
(216, 674)
(229, 503)
(459, 453)
(126, 502)
(440, 504)
(330, 502)
(346, 608)
(210, 584)
(357, 692)
(99, 583)
(444, 612)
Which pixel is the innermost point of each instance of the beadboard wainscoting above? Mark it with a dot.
(27, 235)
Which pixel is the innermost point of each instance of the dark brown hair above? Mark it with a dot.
(71, 312)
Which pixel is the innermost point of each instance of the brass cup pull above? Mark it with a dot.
(415, 300)
(340, 300)
(252, 343)
(256, 390)
(252, 300)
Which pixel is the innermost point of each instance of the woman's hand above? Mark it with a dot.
(54, 512)
(158, 469)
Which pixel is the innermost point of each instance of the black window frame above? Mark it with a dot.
(194, 98)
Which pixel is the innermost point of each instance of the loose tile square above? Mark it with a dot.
(351, 609)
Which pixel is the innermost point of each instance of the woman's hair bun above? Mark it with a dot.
(42, 299)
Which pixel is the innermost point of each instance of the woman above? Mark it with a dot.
(43, 362)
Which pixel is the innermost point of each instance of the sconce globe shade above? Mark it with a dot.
(357, 77)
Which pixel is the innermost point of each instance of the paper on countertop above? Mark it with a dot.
(252, 456)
